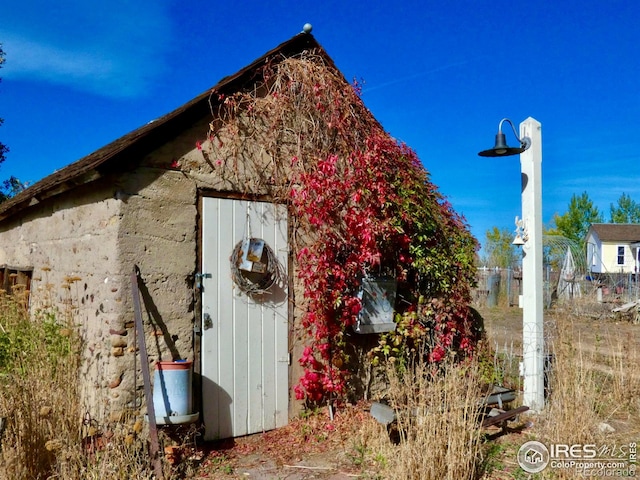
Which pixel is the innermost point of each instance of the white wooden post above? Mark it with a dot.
(532, 280)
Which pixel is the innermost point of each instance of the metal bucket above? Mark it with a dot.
(172, 393)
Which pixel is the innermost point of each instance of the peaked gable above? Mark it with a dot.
(116, 155)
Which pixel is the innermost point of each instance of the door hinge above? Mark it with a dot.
(199, 276)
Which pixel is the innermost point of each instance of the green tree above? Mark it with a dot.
(3, 147)
(11, 186)
(499, 248)
(574, 224)
(626, 211)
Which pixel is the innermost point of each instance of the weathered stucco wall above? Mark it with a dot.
(158, 236)
(83, 246)
(71, 243)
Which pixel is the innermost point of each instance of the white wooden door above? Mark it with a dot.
(244, 338)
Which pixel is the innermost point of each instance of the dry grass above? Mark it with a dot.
(437, 432)
(594, 380)
(594, 384)
(36, 397)
(45, 433)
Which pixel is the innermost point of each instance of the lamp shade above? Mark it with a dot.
(501, 149)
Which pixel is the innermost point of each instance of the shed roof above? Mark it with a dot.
(116, 155)
(617, 232)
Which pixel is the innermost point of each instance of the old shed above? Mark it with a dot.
(208, 203)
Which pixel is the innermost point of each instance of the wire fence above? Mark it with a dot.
(503, 287)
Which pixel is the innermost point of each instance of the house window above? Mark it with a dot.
(592, 253)
(620, 255)
(16, 281)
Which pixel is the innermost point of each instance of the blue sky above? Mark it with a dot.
(439, 76)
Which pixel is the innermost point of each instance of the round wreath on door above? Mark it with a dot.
(255, 268)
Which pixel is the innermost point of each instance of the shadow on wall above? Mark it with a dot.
(155, 319)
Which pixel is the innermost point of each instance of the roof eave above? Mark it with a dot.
(149, 136)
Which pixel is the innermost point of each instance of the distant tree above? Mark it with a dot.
(626, 211)
(3, 147)
(499, 248)
(574, 224)
(11, 186)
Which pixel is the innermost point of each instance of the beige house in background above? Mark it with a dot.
(613, 248)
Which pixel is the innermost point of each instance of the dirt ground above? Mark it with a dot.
(315, 447)
(593, 322)
(320, 448)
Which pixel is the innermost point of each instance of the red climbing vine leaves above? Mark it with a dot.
(363, 203)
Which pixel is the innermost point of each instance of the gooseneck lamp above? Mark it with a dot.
(501, 149)
(533, 347)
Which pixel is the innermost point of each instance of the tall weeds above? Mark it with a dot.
(591, 382)
(46, 432)
(593, 397)
(571, 413)
(437, 432)
(38, 391)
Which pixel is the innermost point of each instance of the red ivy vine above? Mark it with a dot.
(363, 203)
(373, 209)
